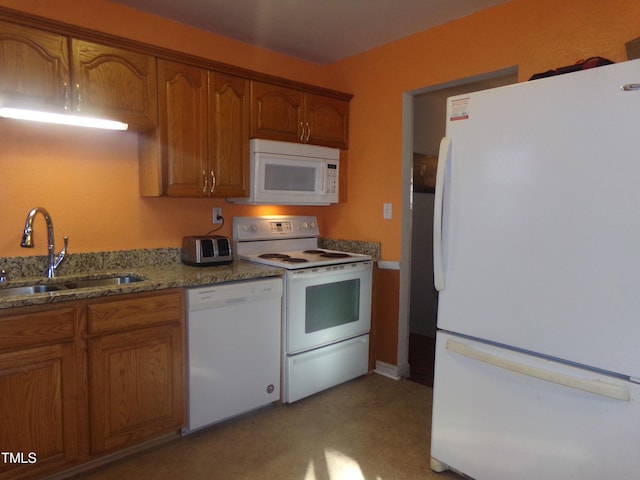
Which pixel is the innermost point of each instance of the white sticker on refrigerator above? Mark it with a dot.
(459, 109)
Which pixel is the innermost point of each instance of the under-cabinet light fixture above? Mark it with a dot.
(61, 118)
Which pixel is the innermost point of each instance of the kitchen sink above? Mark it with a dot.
(28, 290)
(103, 282)
(110, 281)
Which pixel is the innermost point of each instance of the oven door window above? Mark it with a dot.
(326, 306)
(333, 304)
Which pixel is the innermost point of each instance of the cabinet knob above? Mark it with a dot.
(205, 182)
(213, 182)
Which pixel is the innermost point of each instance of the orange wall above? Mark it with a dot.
(87, 180)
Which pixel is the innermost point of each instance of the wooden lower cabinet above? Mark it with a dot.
(40, 393)
(87, 379)
(135, 386)
(136, 353)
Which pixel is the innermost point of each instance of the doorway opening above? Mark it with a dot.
(424, 127)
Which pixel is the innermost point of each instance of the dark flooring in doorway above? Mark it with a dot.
(421, 358)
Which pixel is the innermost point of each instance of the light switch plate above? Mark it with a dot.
(387, 211)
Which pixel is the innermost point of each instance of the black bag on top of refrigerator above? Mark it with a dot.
(590, 62)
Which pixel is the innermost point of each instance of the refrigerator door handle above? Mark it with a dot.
(441, 172)
(597, 387)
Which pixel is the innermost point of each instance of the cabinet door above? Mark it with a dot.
(229, 138)
(327, 120)
(136, 386)
(115, 83)
(34, 67)
(183, 128)
(40, 411)
(277, 113)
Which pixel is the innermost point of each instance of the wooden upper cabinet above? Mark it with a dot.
(327, 121)
(115, 83)
(183, 127)
(229, 104)
(277, 113)
(204, 132)
(287, 114)
(34, 67)
(40, 69)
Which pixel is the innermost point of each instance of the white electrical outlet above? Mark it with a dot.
(217, 215)
(386, 211)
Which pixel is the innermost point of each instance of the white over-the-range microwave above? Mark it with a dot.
(284, 173)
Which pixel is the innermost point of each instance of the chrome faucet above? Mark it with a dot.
(27, 240)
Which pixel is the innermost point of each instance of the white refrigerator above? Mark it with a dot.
(537, 263)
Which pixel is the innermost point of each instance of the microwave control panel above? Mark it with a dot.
(332, 178)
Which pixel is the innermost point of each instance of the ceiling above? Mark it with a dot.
(318, 31)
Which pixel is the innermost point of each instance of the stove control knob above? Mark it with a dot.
(305, 226)
(313, 224)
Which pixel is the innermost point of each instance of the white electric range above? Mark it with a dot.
(326, 302)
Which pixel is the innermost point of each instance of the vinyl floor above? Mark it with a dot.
(371, 428)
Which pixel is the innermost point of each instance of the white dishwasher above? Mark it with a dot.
(234, 335)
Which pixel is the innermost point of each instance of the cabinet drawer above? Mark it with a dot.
(22, 330)
(135, 311)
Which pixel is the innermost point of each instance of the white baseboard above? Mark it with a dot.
(387, 370)
(403, 370)
(392, 371)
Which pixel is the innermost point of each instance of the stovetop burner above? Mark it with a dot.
(335, 255)
(280, 256)
(295, 260)
(325, 254)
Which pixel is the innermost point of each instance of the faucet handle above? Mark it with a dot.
(62, 253)
(3, 276)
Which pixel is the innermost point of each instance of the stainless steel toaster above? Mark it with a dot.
(206, 250)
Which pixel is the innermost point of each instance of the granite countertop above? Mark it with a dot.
(159, 269)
